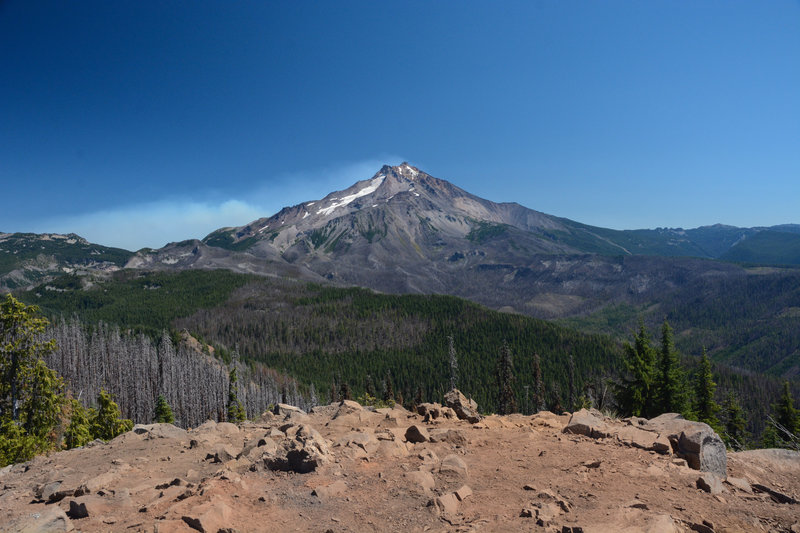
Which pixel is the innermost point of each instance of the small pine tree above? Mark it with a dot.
(79, 430)
(108, 422)
(555, 403)
(734, 433)
(388, 388)
(786, 413)
(334, 392)
(235, 409)
(704, 407)
(418, 397)
(634, 392)
(506, 398)
(369, 387)
(163, 412)
(344, 391)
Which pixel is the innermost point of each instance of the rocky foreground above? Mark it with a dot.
(344, 468)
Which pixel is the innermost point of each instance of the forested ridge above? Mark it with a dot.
(333, 337)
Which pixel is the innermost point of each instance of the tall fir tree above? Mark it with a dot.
(670, 381)
(506, 398)
(635, 391)
(704, 407)
(235, 409)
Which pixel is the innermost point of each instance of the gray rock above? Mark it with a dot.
(586, 423)
(53, 520)
(465, 409)
(710, 482)
(696, 442)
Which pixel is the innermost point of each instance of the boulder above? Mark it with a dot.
(163, 431)
(586, 423)
(347, 407)
(430, 411)
(417, 434)
(447, 504)
(328, 491)
(710, 482)
(54, 491)
(209, 517)
(358, 439)
(453, 464)
(696, 442)
(286, 410)
(302, 453)
(739, 484)
(644, 439)
(465, 409)
(222, 454)
(226, 428)
(463, 493)
(52, 520)
(423, 479)
(452, 436)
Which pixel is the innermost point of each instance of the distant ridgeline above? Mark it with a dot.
(325, 337)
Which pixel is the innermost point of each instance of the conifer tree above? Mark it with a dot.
(235, 408)
(506, 398)
(20, 347)
(785, 412)
(108, 422)
(31, 398)
(670, 393)
(734, 433)
(163, 412)
(636, 389)
(704, 407)
(388, 388)
(334, 392)
(369, 387)
(555, 403)
(344, 391)
(79, 430)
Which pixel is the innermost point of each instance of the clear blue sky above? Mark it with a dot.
(135, 123)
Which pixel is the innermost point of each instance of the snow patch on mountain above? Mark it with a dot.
(343, 201)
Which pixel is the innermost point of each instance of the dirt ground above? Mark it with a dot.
(511, 473)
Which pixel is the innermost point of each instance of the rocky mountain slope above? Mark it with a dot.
(344, 468)
(27, 259)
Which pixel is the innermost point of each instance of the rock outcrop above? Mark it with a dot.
(345, 467)
(465, 409)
